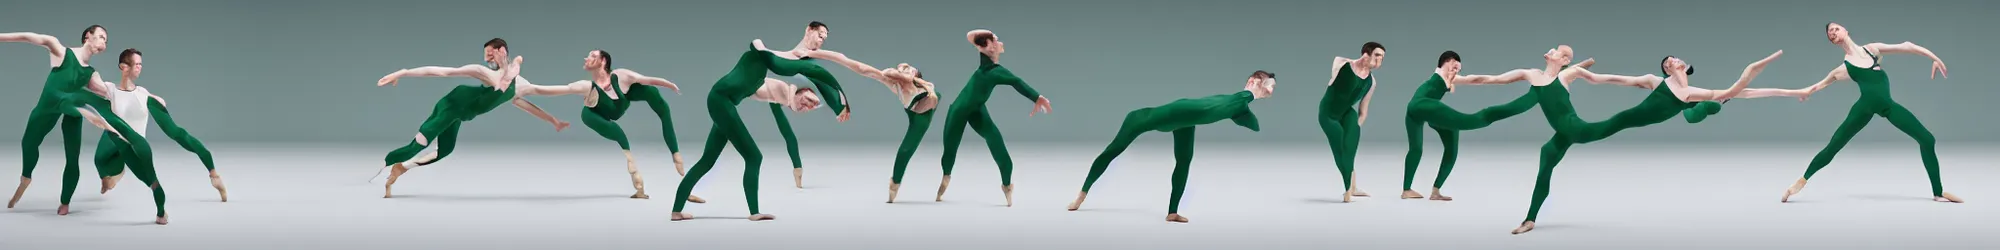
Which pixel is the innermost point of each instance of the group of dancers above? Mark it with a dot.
(73, 93)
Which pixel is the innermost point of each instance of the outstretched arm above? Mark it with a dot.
(1504, 78)
(1644, 81)
(1688, 93)
(630, 76)
(1937, 65)
(1839, 73)
(470, 70)
(1006, 77)
(857, 66)
(46, 41)
(537, 111)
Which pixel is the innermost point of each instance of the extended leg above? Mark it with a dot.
(142, 167)
(711, 150)
(1126, 134)
(1552, 153)
(187, 141)
(609, 130)
(954, 131)
(983, 124)
(1183, 154)
(654, 99)
(919, 123)
(1926, 144)
(1857, 118)
(41, 121)
(791, 145)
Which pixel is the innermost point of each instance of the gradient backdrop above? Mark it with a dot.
(303, 71)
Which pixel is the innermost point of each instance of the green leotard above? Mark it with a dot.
(462, 104)
(1876, 101)
(1659, 106)
(1338, 119)
(133, 144)
(603, 116)
(970, 110)
(823, 81)
(1427, 107)
(743, 81)
(920, 122)
(1180, 117)
(114, 155)
(67, 77)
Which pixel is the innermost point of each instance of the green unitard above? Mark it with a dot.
(1427, 107)
(1179, 117)
(1875, 101)
(66, 78)
(603, 116)
(1338, 118)
(970, 110)
(920, 122)
(1659, 106)
(133, 149)
(114, 155)
(462, 104)
(743, 81)
(819, 78)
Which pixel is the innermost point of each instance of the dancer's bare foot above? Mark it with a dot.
(1412, 194)
(1525, 227)
(1359, 193)
(799, 178)
(111, 182)
(1009, 190)
(162, 220)
(762, 217)
(1947, 197)
(1794, 190)
(679, 216)
(18, 191)
(215, 179)
(1176, 218)
(893, 186)
(1079, 201)
(940, 197)
(62, 210)
(696, 199)
(394, 172)
(1437, 196)
(1347, 196)
(642, 195)
(638, 181)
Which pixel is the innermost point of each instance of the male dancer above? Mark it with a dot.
(1344, 108)
(1181, 117)
(136, 104)
(70, 71)
(607, 95)
(919, 98)
(970, 110)
(1863, 66)
(746, 80)
(1428, 107)
(814, 39)
(500, 84)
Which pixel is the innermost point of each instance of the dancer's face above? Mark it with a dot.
(1374, 58)
(994, 46)
(805, 101)
(1450, 67)
(1262, 86)
(815, 37)
(131, 69)
(1836, 33)
(902, 71)
(495, 55)
(1674, 64)
(1559, 55)
(592, 61)
(95, 41)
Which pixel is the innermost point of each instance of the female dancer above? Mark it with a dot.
(746, 80)
(1863, 65)
(70, 70)
(919, 98)
(1670, 96)
(1339, 115)
(607, 94)
(970, 110)
(501, 84)
(1181, 117)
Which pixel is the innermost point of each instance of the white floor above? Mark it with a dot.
(1241, 196)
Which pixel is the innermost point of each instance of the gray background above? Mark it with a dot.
(302, 71)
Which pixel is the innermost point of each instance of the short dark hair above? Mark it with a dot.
(606, 56)
(496, 43)
(1371, 46)
(1448, 56)
(126, 57)
(1263, 74)
(816, 25)
(920, 74)
(1829, 25)
(92, 29)
(1663, 66)
(982, 39)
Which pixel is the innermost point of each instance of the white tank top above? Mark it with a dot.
(132, 106)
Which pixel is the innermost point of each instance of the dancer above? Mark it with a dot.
(1670, 96)
(743, 81)
(135, 105)
(1181, 117)
(70, 70)
(1428, 107)
(1344, 108)
(501, 85)
(815, 37)
(1863, 65)
(607, 95)
(919, 98)
(970, 110)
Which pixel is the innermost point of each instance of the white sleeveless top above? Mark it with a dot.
(132, 106)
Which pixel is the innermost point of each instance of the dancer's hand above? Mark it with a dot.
(1937, 69)
(844, 115)
(560, 125)
(1587, 62)
(389, 80)
(1041, 105)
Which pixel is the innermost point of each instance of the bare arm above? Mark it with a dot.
(1337, 62)
(1937, 65)
(1839, 73)
(46, 41)
(1504, 78)
(775, 91)
(857, 66)
(539, 113)
(470, 70)
(630, 76)
(1644, 81)
(1364, 107)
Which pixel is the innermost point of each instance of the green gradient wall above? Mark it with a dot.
(304, 70)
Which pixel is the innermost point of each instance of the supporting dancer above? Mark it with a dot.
(970, 111)
(1344, 108)
(135, 105)
(746, 80)
(607, 95)
(815, 37)
(1671, 96)
(69, 73)
(1181, 117)
(1862, 64)
(1428, 107)
(919, 98)
(500, 84)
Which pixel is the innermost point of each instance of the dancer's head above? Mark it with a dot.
(1371, 55)
(903, 71)
(597, 60)
(1449, 62)
(1559, 55)
(986, 41)
(815, 35)
(1675, 64)
(496, 51)
(804, 100)
(94, 38)
(1837, 34)
(1261, 84)
(129, 63)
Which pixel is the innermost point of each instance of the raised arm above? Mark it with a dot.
(46, 41)
(1687, 93)
(629, 76)
(1644, 81)
(1937, 65)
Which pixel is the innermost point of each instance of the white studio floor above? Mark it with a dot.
(1240, 196)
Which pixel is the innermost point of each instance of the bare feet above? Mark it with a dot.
(940, 197)
(642, 195)
(1412, 194)
(1947, 197)
(111, 182)
(18, 191)
(1794, 190)
(1347, 196)
(893, 186)
(394, 172)
(1525, 227)
(62, 210)
(638, 181)
(1437, 196)
(1079, 201)
(696, 199)
(1359, 193)
(215, 179)
(679, 216)
(762, 217)
(1009, 190)
(799, 178)
(1176, 218)
(162, 220)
